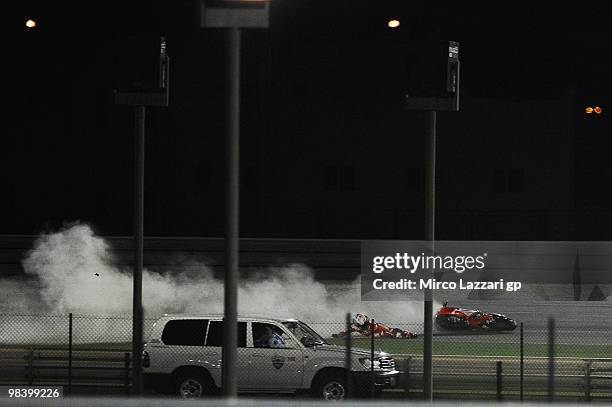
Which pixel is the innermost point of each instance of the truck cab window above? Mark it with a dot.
(215, 334)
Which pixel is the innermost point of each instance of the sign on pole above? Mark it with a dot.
(143, 72)
(234, 13)
(433, 70)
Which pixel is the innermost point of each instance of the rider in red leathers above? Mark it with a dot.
(362, 324)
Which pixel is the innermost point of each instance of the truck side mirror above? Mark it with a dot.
(308, 341)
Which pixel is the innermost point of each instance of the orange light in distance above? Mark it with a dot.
(30, 23)
(588, 110)
(598, 110)
(393, 23)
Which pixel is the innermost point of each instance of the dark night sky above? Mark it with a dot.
(67, 150)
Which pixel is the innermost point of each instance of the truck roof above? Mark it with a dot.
(249, 317)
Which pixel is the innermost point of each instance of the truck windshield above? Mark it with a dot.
(304, 333)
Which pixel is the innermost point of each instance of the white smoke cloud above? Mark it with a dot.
(74, 271)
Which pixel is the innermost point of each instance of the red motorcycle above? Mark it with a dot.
(457, 319)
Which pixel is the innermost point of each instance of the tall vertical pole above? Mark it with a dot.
(230, 334)
(430, 222)
(139, 152)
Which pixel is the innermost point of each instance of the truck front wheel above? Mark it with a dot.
(194, 384)
(330, 386)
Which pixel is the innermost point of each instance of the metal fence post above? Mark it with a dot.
(499, 379)
(522, 364)
(126, 377)
(372, 383)
(348, 360)
(551, 359)
(407, 377)
(587, 380)
(30, 367)
(70, 353)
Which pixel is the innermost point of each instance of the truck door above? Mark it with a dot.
(214, 340)
(277, 361)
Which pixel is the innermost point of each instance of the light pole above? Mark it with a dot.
(232, 239)
(232, 15)
(430, 234)
(154, 92)
(431, 91)
(137, 311)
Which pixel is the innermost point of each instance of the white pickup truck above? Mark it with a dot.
(183, 356)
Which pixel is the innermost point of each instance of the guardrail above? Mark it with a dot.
(597, 378)
(97, 368)
(480, 376)
(500, 377)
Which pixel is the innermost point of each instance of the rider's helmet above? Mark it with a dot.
(360, 320)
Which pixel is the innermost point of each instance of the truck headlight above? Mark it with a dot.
(367, 363)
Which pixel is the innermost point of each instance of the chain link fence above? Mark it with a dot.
(86, 354)
(92, 355)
